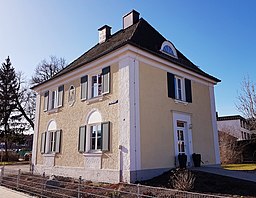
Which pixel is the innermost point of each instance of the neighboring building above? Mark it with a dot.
(125, 109)
(235, 125)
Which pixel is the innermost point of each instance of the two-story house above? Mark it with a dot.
(125, 109)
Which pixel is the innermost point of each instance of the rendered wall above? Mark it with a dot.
(69, 118)
(156, 111)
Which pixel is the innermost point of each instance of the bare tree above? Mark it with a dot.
(46, 69)
(247, 101)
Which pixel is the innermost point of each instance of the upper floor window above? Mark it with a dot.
(168, 48)
(53, 99)
(95, 84)
(179, 88)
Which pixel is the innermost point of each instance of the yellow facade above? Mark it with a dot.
(156, 120)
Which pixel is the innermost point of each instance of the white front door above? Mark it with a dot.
(182, 136)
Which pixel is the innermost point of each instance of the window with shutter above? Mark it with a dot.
(46, 100)
(99, 137)
(60, 95)
(82, 139)
(84, 87)
(179, 88)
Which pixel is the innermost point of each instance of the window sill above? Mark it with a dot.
(95, 99)
(180, 101)
(49, 154)
(93, 154)
(55, 110)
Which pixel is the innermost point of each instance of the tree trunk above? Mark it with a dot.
(6, 150)
(24, 114)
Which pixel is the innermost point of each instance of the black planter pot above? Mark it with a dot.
(182, 160)
(196, 159)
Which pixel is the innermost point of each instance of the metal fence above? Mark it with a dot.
(42, 186)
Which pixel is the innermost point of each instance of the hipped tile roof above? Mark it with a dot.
(141, 35)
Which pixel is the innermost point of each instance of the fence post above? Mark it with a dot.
(42, 192)
(79, 187)
(138, 190)
(18, 179)
(2, 175)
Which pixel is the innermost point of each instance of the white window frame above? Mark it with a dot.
(169, 44)
(54, 103)
(182, 88)
(98, 85)
(96, 149)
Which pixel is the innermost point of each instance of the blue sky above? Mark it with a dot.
(218, 36)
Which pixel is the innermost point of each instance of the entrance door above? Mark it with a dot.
(181, 133)
(182, 136)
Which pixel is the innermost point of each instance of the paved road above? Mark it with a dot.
(23, 167)
(8, 193)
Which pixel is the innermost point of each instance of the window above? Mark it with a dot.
(98, 83)
(179, 88)
(50, 141)
(96, 86)
(54, 99)
(179, 94)
(71, 95)
(168, 48)
(95, 136)
(57, 97)
(98, 137)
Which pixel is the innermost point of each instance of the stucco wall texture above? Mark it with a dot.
(70, 118)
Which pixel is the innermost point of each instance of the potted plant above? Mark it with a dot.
(182, 160)
(196, 159)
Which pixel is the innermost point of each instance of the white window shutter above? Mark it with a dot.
(82, 139)
(105, 127)
(84, 87)
(60, 95)
(57, 141)
(106, 80)
(43, 142)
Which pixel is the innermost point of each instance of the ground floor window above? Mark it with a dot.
(95, 137)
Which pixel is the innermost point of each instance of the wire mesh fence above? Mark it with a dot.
(44, 186)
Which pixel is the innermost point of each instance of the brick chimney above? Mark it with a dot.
(104, 33)
(130, 19)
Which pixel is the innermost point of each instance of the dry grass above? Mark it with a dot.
(240, 167)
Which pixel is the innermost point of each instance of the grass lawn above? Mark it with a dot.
(6, 163)
(240, 167)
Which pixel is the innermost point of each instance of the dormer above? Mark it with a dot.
(104, 33)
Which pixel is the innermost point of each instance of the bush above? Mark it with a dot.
(182, 179)
(12, 156)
